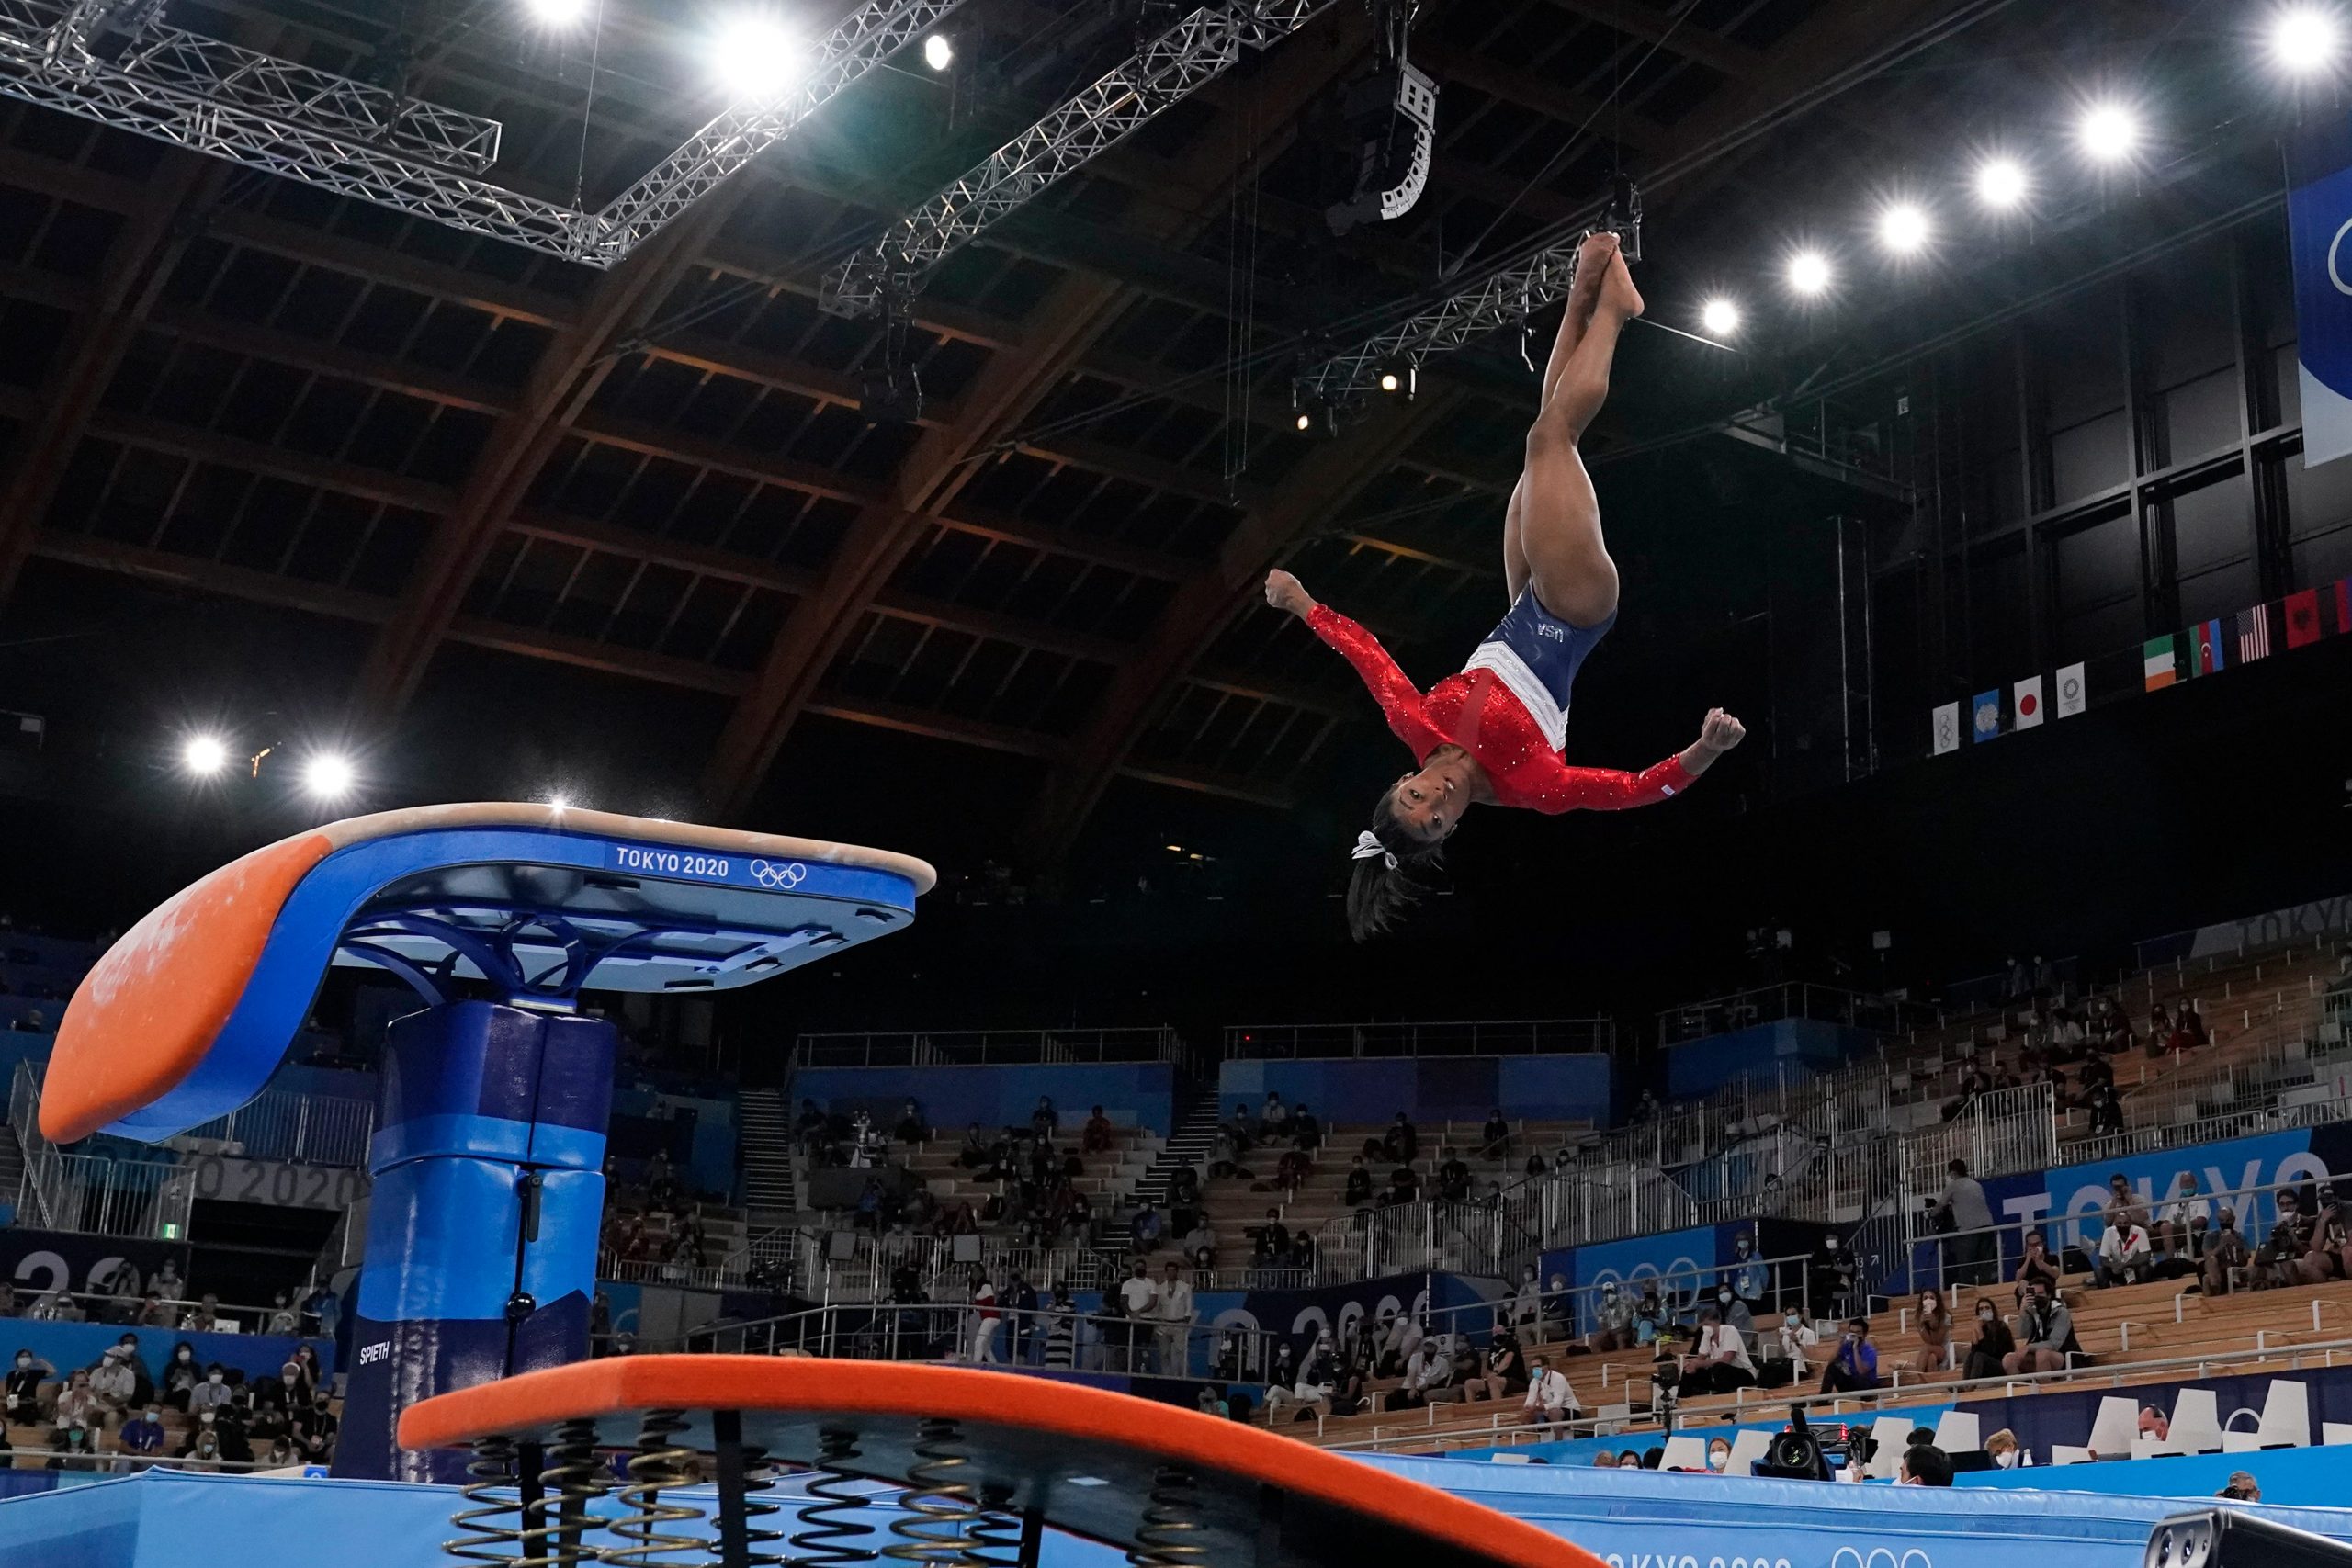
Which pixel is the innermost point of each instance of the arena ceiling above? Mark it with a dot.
(440, 454)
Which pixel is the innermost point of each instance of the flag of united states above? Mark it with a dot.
(2254, 633)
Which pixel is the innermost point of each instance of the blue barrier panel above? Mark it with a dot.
(1645, 1519)
(1697, 1066)
(66, 1345)
(2294, 1477)
(1349, 1092)
(1133, 1094)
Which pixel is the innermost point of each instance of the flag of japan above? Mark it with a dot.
(2025, 701)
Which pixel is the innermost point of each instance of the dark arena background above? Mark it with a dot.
(502, 501)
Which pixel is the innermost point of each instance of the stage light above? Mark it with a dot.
(1720, 317)
(1809, 272)
(1390, 381)
(1306, 420)
(1903, 228)
(204, 755)
(557, 13)
(2001, 183)
(558, 802)
(938, 51)
(329, 775)
(2109, 132)
(2305, 40)
(758, 59)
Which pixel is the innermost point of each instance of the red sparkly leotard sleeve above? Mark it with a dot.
(1400, 701)
(1549, 785)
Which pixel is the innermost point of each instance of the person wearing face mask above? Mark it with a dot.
(2046, 1339)
(2226, 1254)
(2003, 1447)
(1854, 1368)
(2036, 1265)
(1935, 1334)
(212, 1393)
(1732, 1310)
(314, 1429)
(1629, 1459)
(77, 1447)
(1718, 1455)
(2278, 1262)
(2124, 1254)
(1719, 1362)
(1558, 1306)
(113, 1382)
(78, 1404)
(1525, 1305)
(1613, 1325)
(1751, 1281)
(181, 1374)
(1649, 1316)
(203, 1440)
(1993, 1345)
(21, 1390)
(143, 1433)
(1833, 1277)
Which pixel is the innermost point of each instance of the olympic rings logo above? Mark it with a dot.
(791, 873)
(1880, 1557)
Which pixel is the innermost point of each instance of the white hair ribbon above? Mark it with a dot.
(1369, 846)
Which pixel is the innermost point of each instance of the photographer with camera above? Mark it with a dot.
(1854, 1367)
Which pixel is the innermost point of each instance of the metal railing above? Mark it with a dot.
(952, 1331)
(1792, 999)
(1994, 1133)
(114, 1463)
(986, 1047)
(100, 1195)
(1759, 1285)
(1520, 1037)
(306, 1129)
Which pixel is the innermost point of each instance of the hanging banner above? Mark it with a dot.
(2319, 216)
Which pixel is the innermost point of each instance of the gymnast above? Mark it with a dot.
(1493, 733)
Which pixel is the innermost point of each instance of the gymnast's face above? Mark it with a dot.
(1431, 802)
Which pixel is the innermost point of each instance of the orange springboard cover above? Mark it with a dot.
(537, 1401)
(149, 1009)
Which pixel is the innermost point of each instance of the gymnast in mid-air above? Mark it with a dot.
(1493, 733)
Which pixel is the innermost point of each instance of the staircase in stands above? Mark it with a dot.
(766, 1151)
(1195, 1137)
(12, 1174)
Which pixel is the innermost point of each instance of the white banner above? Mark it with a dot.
(1947, 728)
(2070, 691)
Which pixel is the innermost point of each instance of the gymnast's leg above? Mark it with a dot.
(1558, 514)
(1584, 295)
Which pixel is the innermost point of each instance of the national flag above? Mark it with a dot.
(2302, 617)
(1947, 728)
(2344, 604)
(2254, 633)
(2072, 689)
(2205, 636)
(1986, 707)
(2025, 701)
(2156, 662)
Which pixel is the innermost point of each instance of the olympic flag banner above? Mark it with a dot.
(2070, 691)
(1947, 728)
(2319, 217)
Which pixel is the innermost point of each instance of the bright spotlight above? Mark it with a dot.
(1390, 381)
(329, 775)
(938, 51)
(1306, 421)
(2305, 40)
(1720, 317)
(557, 13)
(2109, 132)
(558, 802)
(2001, 184)
(204, 755)
(1809, 272)
(1903, 228)
(758, 59)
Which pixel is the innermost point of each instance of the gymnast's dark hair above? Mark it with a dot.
(1378, 893)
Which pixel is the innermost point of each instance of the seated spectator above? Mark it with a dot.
(114, 1382)
(1796, 1338)
(2278, 1262)
(1523, 1308)
(2226, 1254)
(1833, 1271)
(1305, 1131)
(2331, 1254)
(808, 1127)
(977, 1151)
(2098, 1073)
(1551, 1398)
(212, 1393)
(2106, 1111)
(1935, 1334)
(1146, 1227)
(1558, 1308)
(203, 1439)
(21, 1390)
(2188, 1023)
(314, 1430)
(154, 1312)
(1924, 1464)
(1402, 1336)
(206, 1316)
(57, 1306)
(2003, 1447)
(1273, 1117)
(143, 1433)
(76, 1443)
(2045, 1334)
(1099, 1134)
(1403, 1142)
(280, 1455)
(1359, 1188)
(78, 1404)
(1989, 1354)
(1317, 1378)
(181, 1374)
(1502, 1371)
(1044, 1120)
(1403, 1187)
(1854, 1367)
(1494, 1139)
(2124, 1254)
(912, 1128)
(2035, 1264)
(1536, 1166)
(1290, 1171)
(2181, 1222)
(1650, 1317)
(1629, 1459)
(1719, 1363)
(1301, 1248)
(1429, 1375)
(1454, 1181)
(1613, 1320)
(1731, 1309)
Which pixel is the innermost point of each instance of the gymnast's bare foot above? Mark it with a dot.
(1593, 259)
(1617, 290)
